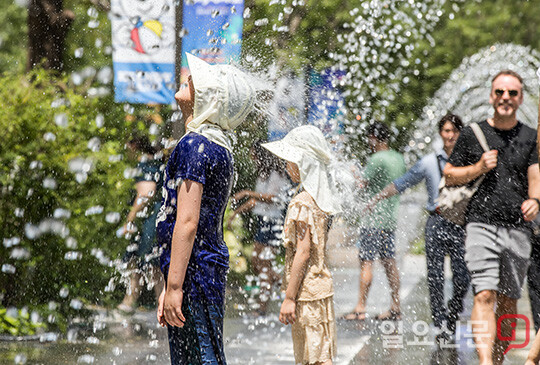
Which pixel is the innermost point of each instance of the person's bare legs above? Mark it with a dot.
(505, 305)
(263, 267)
(392, 274)
(366, 277)
(157, 278)
(134, 290)
(484, 325)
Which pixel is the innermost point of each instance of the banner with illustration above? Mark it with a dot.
(212, 31)
(143, 39)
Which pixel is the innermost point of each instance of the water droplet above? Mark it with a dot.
(61, 120)
(72, 335)
(85, 359)
(81, 177)
(183, 32)
(19, 254)
(71, 243)
(31, 231)
(100, 120)
(76, 304)
(261, 22)
(35, 165)
(113, 217)
(49, 183)
(92, 12)
(20, 359)
(72, 255)
(61, 213)
(49, 137)
(8, 269)
(48, 337)
(97, 209)
(92, 340)
(105, 75)
(154, 129)
(79, 52)
(94, 144)
(13, 241)
(59, 102)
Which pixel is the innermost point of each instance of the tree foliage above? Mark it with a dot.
(63, 193)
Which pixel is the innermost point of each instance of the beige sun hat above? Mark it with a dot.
(224, 96)
(308, 149)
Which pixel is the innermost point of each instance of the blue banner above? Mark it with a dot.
(212, 31)
(325, 101)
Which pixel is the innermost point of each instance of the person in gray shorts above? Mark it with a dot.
(497, 245)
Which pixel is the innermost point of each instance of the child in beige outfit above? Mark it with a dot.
(308, 305)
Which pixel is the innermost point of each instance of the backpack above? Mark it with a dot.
(453, 200)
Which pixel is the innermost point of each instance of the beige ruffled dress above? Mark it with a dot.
(314, 332)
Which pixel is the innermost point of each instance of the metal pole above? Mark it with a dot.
(178, 127)
(538, 127)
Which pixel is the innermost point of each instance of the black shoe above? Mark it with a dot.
(444, 338)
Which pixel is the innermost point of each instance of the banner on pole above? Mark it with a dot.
(143, 37)
(212, 31)
(326, 102)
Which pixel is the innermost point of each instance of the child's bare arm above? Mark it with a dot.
(303, 242)
(185, 228)
(534, 352)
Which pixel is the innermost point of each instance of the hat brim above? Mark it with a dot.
(200, 71)
(284, 150)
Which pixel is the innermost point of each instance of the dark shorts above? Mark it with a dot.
(269, 231)
(497, 258)
(375, 242)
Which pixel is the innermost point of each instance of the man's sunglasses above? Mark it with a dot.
(500, 92)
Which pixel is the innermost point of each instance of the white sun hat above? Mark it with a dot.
(224, 96)
(308, 149)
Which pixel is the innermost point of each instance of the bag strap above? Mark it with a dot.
(439, 164)
(480, 136)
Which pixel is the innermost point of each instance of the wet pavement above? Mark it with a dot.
(263, 340)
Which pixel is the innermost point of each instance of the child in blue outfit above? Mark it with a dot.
(197, 184)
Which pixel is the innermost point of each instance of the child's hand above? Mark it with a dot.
(172, 307)
(287, 314)
(161, 302)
